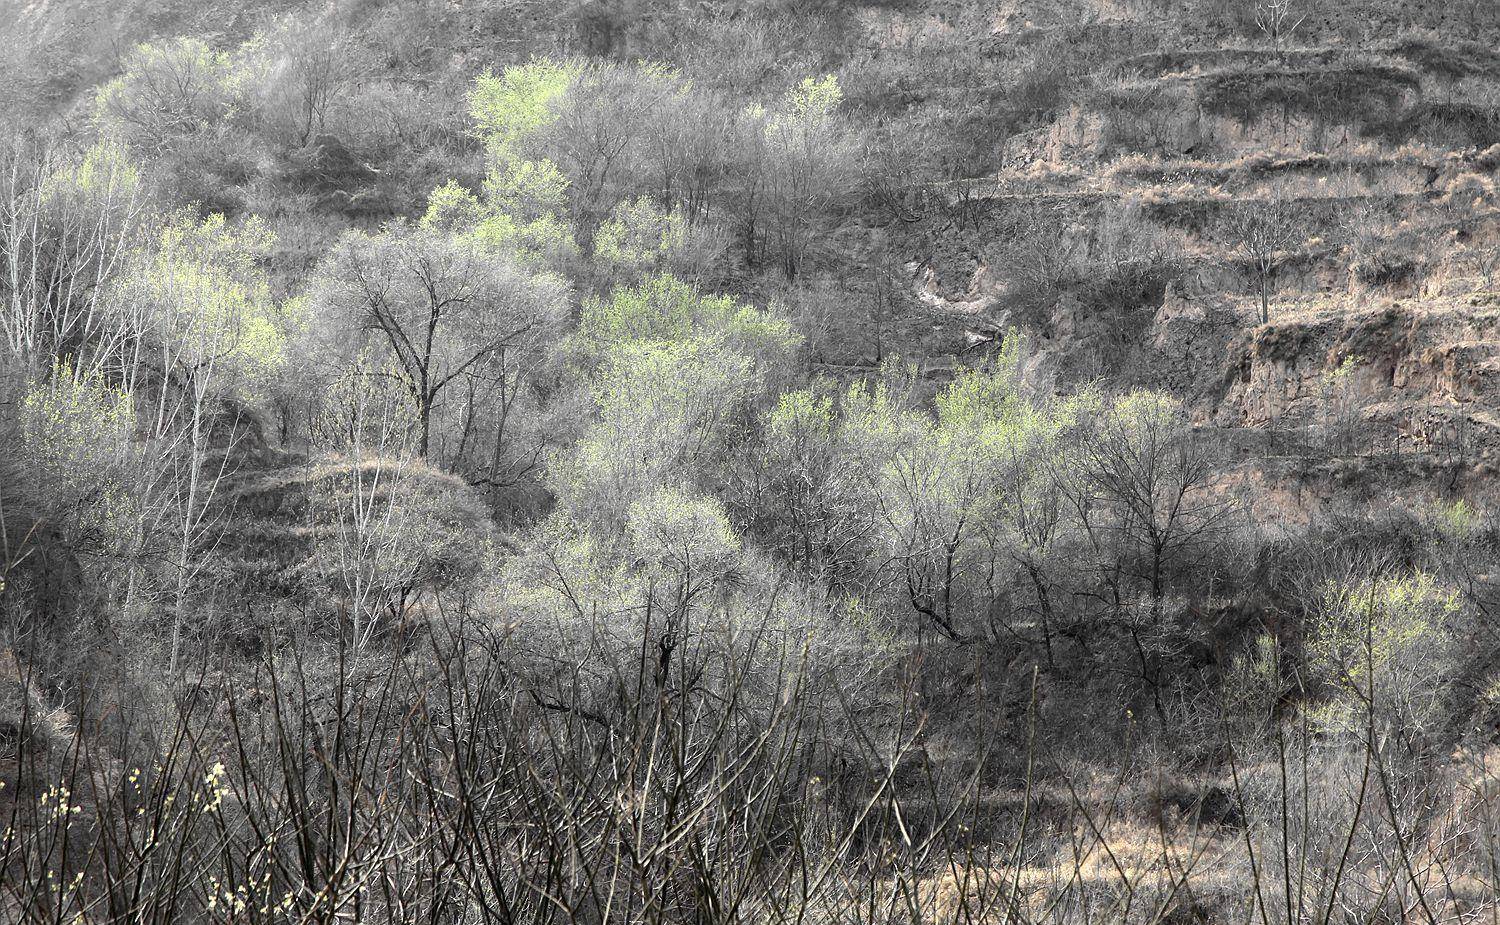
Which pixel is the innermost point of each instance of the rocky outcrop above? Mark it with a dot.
(1426, 372)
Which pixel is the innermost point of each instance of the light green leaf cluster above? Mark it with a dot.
(1143, 413)
(106, 173)
(577, 602)
(669, 366)
(800, 416)
(524, 195)
(209, 299)
(568, 576)
(510, 108)
(452, 209)
(808, 108)
(677, 533)
(1339, 377)
(956, 470)
(1253, 684)
(660, 408)
(1456, 521)
(665, 309)
(639, 237)
(76, 439)
(879, 415)
(1387, 634)
(955, 494)
(524, 201)
(815, 97)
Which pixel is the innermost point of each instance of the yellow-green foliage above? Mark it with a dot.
(574, 601)
(511, 108)
(167, 90)
(209, 299)
(665, 309)
(954, 475)
(76, 440)
(639, 237)
(1339, 377)
(681, 535)
(1144, 415)
(814, 98)
(453, 209)
(524, 194)
(877, 416)
(573, 575)
(812, 161)
(1386, 635)
(1456, 521)
(800, 416)
(104, 174)
(956, 495)
(660, 410)
(67, 237)
(524, 201)
(1253, 684)
(669, 364)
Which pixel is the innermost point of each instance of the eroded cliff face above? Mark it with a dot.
(1423, 371)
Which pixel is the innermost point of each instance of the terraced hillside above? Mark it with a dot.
(1351, 177)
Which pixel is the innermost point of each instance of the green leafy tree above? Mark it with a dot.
(602, 137)
(671, 372)
(663, 413)
(811, 161)
(203, 292)
(206, 345)
(951, 488)
(67, 227)
(664, 308)
(801, 492)
(523, 201)
(640, 240)
(76, 449)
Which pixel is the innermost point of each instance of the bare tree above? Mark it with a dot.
(1279, 20)
(1143, 494)
(310, 66)
(1264, 232)
(436, 306)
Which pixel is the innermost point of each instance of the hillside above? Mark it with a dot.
(616, 461)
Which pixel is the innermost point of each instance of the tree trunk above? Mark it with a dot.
(424, 414)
